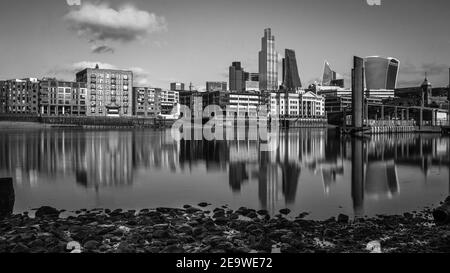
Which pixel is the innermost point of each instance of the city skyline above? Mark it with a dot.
(164, 40)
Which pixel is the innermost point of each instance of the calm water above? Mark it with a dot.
(311, 171)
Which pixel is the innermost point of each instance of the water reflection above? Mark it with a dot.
(112, 159)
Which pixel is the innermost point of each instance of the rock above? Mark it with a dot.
(20, 248)
(285, 211)
(219, 214)
(161, 226)
(47, 211)
(263, 212)
(342, 218)
(252, 215)
(303, 215)
(124, 247)
(185, 229)
(221, 220)
(203, 204)
(234, 216)
(36, 243)
(187, 206)
(192, 210)
(91, 245)
(198, 231)
(160, 233)
(173, 249)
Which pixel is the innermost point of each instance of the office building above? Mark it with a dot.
(19, 96)
(243, 104)
(237, 77)
(177, 86)
(109, 91)
(146, 101)
(381, 73)
(62, 98)
(268, 63)
(300, 104)
(216, 86)
(291, 78)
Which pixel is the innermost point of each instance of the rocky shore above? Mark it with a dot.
(221, 230)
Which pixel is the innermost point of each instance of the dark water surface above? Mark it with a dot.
(312, 171)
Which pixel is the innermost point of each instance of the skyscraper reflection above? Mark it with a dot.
(104, 159)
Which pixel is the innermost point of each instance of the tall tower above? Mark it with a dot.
(426, 91)
(268, 63)
(237, 77)
(291, 79)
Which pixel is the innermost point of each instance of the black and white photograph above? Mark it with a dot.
(230, 133)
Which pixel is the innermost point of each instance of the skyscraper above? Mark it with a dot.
(291, 79)
(381, 73)
(268, 63)
(330, 77)
(237, 77)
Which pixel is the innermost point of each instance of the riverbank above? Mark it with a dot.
(10, 125)
(198, 230)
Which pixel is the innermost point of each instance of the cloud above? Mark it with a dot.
(102, 49)
(68, 71)
(99, 23)
(73, 2)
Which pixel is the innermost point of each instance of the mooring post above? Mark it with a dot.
(357, 92)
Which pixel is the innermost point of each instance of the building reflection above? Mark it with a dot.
(98, 159)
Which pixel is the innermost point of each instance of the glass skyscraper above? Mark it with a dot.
(268, 63)
(381, 73)
(291, 79)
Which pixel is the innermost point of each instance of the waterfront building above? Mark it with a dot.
(216, 86)
(19, 96)
(177, 86)
(291, 78)
(219, 98)
(237, 77)
(194, 100)
(243, 104)
(146, 101)
(110, 91)
(339, 104)
(62, 98)
(335, 91)
(381, 73)
(268, 63)
(168, 99)
(300, 104)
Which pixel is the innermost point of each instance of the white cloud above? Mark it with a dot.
(99, 23)
(73, 2)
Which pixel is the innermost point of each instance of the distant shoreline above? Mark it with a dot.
(23, 125)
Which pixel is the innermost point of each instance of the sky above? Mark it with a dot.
(164, 41)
